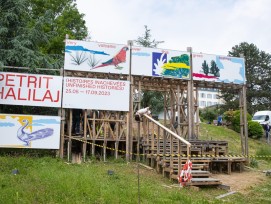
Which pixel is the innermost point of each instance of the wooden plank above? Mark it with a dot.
(204, 179)
(226, 194)
(147, 167)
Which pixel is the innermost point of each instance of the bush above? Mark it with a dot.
(255, 130)
(228, 116)
(208, 115)
(253, 163)
(233, 118)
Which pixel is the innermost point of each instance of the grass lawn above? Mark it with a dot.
(52, 180)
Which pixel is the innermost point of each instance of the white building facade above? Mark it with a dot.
(209, 97)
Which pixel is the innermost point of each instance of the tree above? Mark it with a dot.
(214, 69)
(205, 67)
(32, 34)
(32, 31)
(19, 43)
(64, 19)
(154, 99)
(258, 76)
(146, 41)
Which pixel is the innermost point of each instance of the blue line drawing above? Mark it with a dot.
(28, 137)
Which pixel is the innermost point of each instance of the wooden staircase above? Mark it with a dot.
(167, 154)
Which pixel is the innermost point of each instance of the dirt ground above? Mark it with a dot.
(242, 182)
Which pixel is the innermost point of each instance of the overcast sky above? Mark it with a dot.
(208, 26)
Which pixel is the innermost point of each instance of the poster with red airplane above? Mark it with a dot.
(96, 57)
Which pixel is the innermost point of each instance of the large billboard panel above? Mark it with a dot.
(160, 63)
(218, 68)
(29, 131)
(100, 94)
(30, 89)
(96, 57)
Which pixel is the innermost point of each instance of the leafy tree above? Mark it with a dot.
(154, 99)
(258, 76)
(214, 69)
(32, 34)
(19, 43)
(205, 67)
(64, 19)
(146, 40)
(32, 31)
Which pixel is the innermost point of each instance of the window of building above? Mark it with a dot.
(209, 103)
(203, 103)
(209, 95)
(202, 95)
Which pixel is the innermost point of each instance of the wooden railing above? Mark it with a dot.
(165, 146)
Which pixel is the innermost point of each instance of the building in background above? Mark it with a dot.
(209, 97)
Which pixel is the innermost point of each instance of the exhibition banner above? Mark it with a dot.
(160, 63)
(218, 68)
(96, 57)
(100, 94)
(30, 89)
(29, 131)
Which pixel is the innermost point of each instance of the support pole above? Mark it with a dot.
(130, 113)
(190, 107)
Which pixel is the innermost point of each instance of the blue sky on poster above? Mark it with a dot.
(208, 26)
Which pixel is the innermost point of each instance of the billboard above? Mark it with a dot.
(218, 68)
(30, 89)
(96, 57)
(160, 63)
(101, 94)
(29, 131)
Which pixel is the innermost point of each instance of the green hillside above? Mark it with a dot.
(213, 132)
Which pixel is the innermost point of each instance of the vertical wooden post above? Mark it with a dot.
(70, 135)
(116, 149)
(190, 105)
(85, 136)
(197, 113)
(241, 97)
(61, 113)
(245, 120)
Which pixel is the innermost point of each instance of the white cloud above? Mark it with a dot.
(208, 26)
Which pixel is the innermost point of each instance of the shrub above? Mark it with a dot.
(208, 114)
(233, 118)
(255, 130)
(228, 116)
(253, 163)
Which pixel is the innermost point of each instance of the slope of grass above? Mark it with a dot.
(213, 132)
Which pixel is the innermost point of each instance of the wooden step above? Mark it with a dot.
(204, 182)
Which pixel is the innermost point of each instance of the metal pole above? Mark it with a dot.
(130, 113)
(190, 107)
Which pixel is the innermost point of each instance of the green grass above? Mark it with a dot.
(51, 180)
(213, 132)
